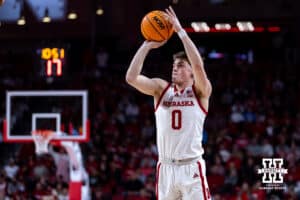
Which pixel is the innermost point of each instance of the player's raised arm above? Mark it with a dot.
(134, 77)
(202, 84)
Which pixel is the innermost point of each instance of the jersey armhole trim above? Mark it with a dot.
(161, 96)
(199, 102)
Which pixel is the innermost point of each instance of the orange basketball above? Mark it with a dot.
(1, 2)
(156, 27)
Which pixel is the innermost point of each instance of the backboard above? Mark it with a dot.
(57, 110)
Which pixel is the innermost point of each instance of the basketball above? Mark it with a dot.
(1, 2)
(156, 27)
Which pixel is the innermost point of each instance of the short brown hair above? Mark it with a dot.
(181, 55)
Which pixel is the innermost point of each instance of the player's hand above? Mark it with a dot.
(173, 19)
(153, 44)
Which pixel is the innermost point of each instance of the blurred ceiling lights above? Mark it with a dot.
(21, 21)
(46, 18)
(239, 26)
(100, 11)
(72, 15)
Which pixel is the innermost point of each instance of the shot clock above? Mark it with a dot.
(53, 60)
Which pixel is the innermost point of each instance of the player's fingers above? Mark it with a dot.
(172, 11)
(171, 18)
(167, 18)
(168, 12)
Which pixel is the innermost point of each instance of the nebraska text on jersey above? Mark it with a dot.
(178, 103)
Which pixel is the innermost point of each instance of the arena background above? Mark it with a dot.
(254, 108)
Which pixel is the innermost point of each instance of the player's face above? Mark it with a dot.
(181, 72)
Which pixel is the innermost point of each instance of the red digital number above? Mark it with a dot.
(50, 64)
(176, 119)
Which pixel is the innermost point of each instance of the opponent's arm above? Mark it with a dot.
(74, 153)
(202, 84)
(149, 86)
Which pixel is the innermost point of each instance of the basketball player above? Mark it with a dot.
(180, 111)
(79, 179)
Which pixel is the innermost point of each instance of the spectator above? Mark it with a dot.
(267, 149)
(11, 169)
(2, 186)
(102, 57)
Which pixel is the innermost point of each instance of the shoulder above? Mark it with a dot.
(163, 85)
(202, 98)
(204, 91)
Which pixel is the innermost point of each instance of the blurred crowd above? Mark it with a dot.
(254, 114)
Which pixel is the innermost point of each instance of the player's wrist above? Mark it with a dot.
(181, 33)
(147, 46)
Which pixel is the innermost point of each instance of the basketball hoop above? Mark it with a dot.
(41, 140)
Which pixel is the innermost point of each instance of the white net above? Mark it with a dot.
(41, 140)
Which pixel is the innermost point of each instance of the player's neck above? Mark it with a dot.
(183, 85)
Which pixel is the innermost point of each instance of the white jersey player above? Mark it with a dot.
(79, 179)
(180, 110)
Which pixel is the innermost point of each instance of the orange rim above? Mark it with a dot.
(43, 133)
